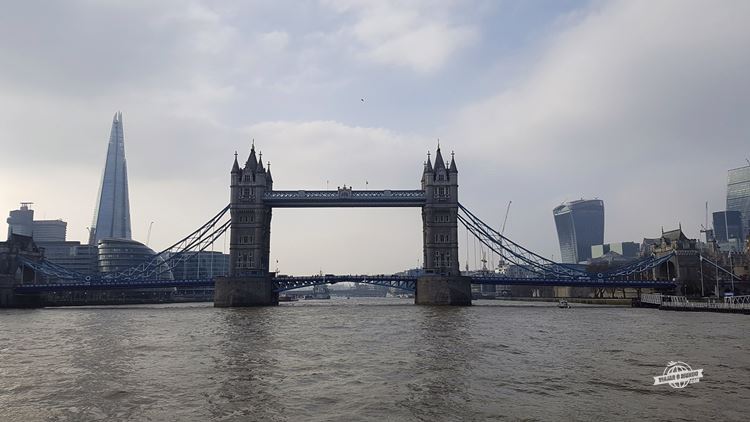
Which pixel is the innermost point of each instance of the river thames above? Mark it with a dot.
(369, 360)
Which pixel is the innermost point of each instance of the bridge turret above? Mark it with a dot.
(439, 217)
(427, 174)
(251, 219)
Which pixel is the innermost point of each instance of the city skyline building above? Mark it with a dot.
(738, 196)
(112, 213)
(728, 230)
(21, 222)
(580, 225)
(204, 264)
(624, 249)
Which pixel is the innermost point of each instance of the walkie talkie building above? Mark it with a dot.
(580, 225)
(112, 214)
(738, 196)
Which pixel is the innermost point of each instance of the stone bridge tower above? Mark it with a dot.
(442, 283)
(249, 282)
(439, 221)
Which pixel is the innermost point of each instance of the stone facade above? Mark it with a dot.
(249, 282)
(440, 217)
(250, 234)
(684, 267)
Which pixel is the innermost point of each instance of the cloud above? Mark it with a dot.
(642, 109)
(416, 35)
(642, 104)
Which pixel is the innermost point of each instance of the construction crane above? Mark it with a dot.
(148, 236)
(704, 228)
(502, 232)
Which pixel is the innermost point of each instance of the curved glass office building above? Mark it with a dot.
(738, 197)
(580, 225)
(115, 255)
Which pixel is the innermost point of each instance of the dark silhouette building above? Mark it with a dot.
(728, 229)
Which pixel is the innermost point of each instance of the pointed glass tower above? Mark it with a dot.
(112, 215)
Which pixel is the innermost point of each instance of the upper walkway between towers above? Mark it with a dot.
(344, 197)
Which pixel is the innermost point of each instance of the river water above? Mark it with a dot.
(369, 360)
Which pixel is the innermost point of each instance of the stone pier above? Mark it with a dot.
(10, 299)
(443, 290)
(244, 291)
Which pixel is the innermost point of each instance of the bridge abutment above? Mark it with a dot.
(443, 290)
(244, 291)
(10, 299)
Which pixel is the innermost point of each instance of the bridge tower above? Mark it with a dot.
(249, 281)
(684, 267)
(442, 283)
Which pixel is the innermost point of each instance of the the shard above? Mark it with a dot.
(112, 215)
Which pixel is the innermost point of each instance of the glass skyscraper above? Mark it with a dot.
(728, 229)
(580, 225)
(738, 196)
(112, 215)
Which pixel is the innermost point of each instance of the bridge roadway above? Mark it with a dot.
(284, 283)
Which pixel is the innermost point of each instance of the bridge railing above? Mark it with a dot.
(337, 194)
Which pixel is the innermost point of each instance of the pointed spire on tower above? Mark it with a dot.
(439, 162)
(269, 179)
(453, 168)
(251, 162)
(236, 165)
(428, 167)
(260, 163)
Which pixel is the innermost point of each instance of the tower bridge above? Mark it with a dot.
(252, 200)
(251, 283)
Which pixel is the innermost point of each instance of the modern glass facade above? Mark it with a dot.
(202, 265)
(112, 215)
(727, 226)
(115, 255)
(71, 255)
(580, 225)
(49, 230)
(738, 196)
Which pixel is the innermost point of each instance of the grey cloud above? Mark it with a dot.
(641, 109)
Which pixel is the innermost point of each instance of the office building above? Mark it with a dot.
(624, 249)
(112, 215)
(580, 225)
(116, 255)
(21, 221)
(202, 265)
(72, 256)
(728, 230)
(738, 197)
(49, 230)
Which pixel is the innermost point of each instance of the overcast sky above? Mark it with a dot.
(644, 104)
